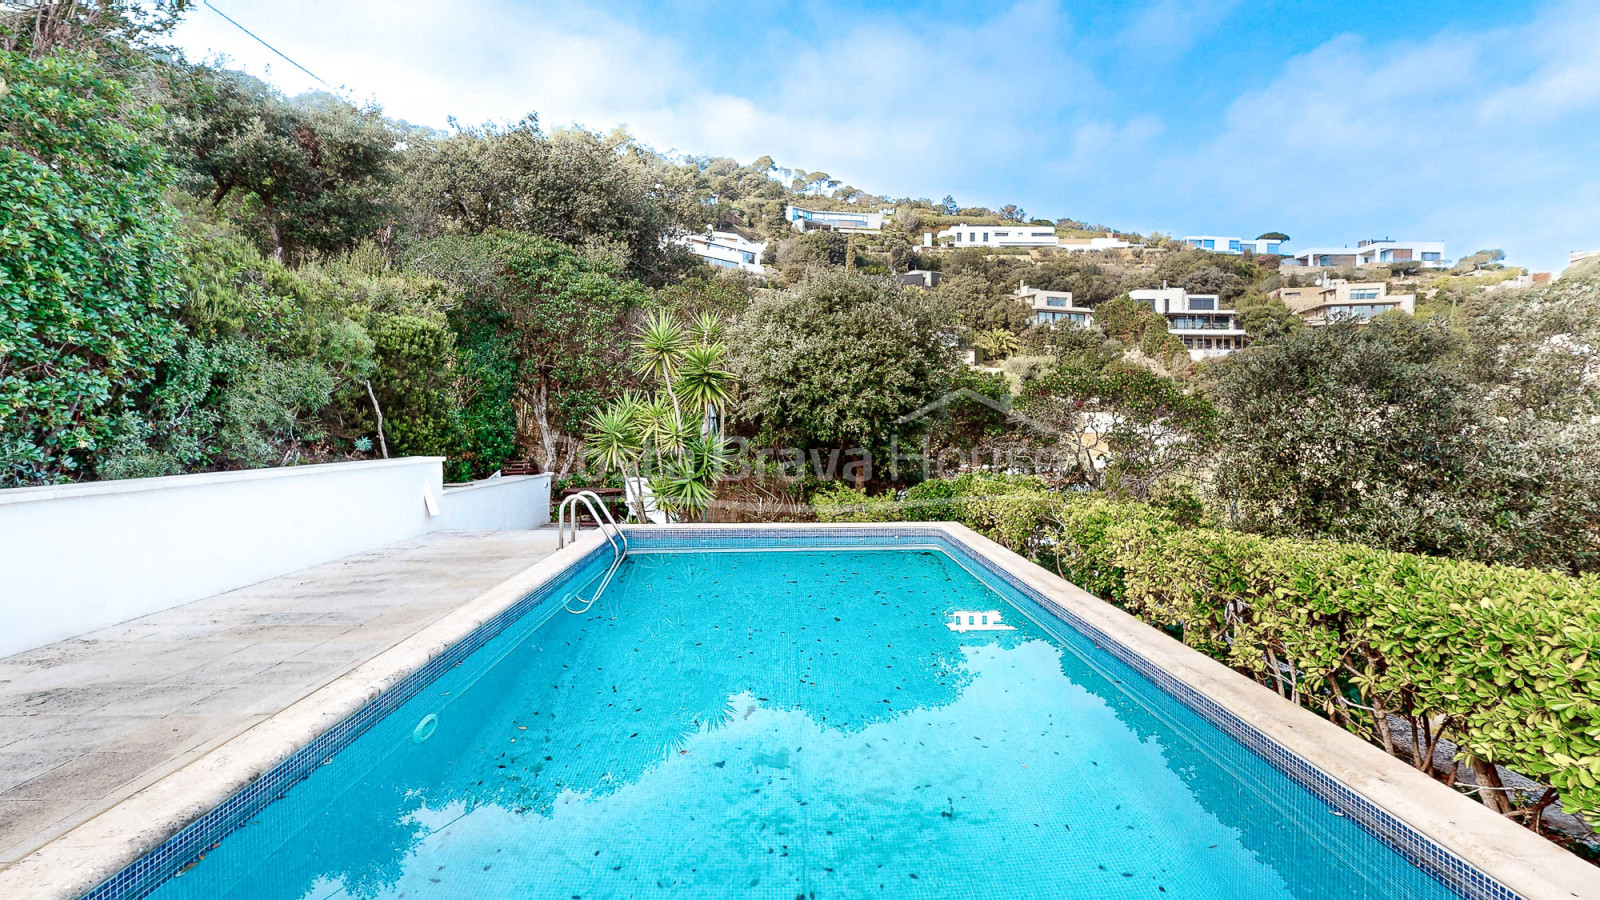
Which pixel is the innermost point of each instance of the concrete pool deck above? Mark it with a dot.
(87, 722)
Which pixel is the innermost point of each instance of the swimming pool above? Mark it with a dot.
(885, 715)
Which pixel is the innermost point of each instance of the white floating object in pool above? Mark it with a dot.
(971, 620)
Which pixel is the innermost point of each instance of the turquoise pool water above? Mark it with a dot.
(796, 725)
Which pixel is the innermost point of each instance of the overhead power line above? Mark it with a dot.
(266, 45)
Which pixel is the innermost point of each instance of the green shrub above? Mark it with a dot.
(837, 501)
(1504, 662)
(88, 283)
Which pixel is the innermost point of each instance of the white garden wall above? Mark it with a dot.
(77, 557)
(503, 504)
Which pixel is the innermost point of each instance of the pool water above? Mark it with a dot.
(796, 725)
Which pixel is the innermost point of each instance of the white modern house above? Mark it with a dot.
(803, 219)
(1205, 329)
(1053, 307)
(1235, 245)
(1337, 299)
(1088, 245)
(1378, 252)
(727, 250)
(996, 236)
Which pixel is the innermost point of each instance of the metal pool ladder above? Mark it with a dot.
(602, 518)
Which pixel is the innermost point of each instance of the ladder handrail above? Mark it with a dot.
(597, 508)
(616, 537)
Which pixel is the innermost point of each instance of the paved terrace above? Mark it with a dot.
(87, 722)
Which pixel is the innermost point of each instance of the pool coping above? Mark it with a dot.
(81, 859)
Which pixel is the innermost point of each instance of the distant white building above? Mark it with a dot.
(997, 236)
(727, 250)
(1052, 307)
(1235, 246)
(1197, 319)
(1372, 253)
(1337, 299)
(1087, 245)
(803, 219)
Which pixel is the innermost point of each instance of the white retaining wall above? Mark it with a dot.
(508, 503)
(78, 557)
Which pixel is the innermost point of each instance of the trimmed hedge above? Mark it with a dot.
(1503, 662)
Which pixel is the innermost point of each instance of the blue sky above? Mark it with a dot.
(1471, 122)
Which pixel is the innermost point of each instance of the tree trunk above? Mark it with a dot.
(1491, 789)
(382, 443)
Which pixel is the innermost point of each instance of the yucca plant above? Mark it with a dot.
(682, 455)
(704, 384)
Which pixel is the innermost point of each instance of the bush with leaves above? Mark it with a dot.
(88, 283)
(840, 362)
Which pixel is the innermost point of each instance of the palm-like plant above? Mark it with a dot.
(685, 458)
(996, 342)
(686, 486)
(704, 384)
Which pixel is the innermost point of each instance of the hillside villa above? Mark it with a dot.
(727, 250)
(803, 219)
(1205, 329)
(1379, 252)
(1050, 307)
(1338, 299)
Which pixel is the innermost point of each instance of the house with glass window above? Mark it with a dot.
(1198, 320)
(803, 219)
(727, 250)
(1012, 235)
(1235, 246)
(1053, 307)
(1377, 252)
(1338, 299)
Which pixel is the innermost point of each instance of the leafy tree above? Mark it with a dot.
(310, 173)
(1013, 213)
(838, 362)
(1273, 236)
(996, 343)
(118, 32)
(1137, 325)
(554, 314)
(87, 272)
(1266, 319)
(978, 306)
(1376, 434)
(1118, 427)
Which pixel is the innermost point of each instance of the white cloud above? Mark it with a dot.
(1474, 138)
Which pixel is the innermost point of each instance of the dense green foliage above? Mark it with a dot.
(87, 273)
(841, 362)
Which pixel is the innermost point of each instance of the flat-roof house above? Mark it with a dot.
(998, 236)
(1234, 245)
(1338, 299)
(1198, 320)
(922, 278)
(1087, 245)
(803, 219)
(1053, 307)
(727, 250)
(1381, 252)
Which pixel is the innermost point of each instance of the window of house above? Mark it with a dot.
(1233, 245)
(1055, 301)
(1001, 234)
(986, 237)
(1209, 245)
(1202, 303)
(1367, 294)
(1430, 257)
